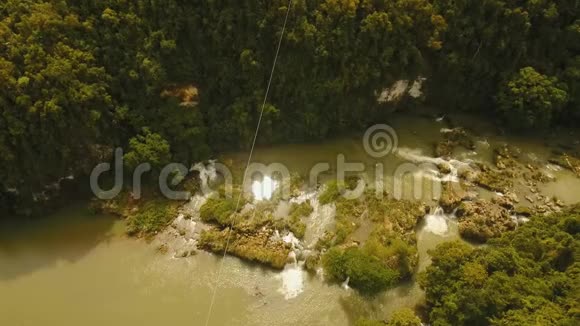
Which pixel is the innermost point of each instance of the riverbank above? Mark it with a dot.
(168, 259)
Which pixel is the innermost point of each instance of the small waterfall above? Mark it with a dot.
(344, 284)
(292, 278)
(395, 92)
(519, 220)
(292, 257)
(282, 209)
(436, 222)
(185, 227)
(291, 239)
(416, 156)
(293, 275)
(321, 219)
(263, 189)
(193, 207)
(207, 173)
(554, 167)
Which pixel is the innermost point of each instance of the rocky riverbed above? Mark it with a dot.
(488, 185)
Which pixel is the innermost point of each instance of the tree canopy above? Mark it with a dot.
(529, 276)
(530, 99)
(81, 77)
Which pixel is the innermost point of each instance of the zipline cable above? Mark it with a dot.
(248, 163)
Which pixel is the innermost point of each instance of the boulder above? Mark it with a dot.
(451, 197)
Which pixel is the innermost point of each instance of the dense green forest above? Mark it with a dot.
(530, 276)
(80, 77)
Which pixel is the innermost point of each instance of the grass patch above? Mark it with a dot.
(218, 210)
(152, 217)
(297, 213)
(331, 193)
(256, 247)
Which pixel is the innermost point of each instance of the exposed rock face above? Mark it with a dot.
(187, 94)
(545, 205)
(481, 220)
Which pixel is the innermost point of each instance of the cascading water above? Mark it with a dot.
(263, 189)
(436, 222)
(321, 219)
(344, 284)
(416, 156)
(207, 172)
(292, 277)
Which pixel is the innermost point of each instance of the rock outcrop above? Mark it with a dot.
(453, 138)
(481, 220)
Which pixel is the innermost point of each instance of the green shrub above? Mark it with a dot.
(530, 99)
(334, 264)
(368, 322)
(218, 210)
(253, 220)
(330, 193)
(148, 147)
(334, 189)
(367, 273)
(401, 255)
(404, 317)
(312, 262)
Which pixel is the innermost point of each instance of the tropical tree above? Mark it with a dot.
(530, 99)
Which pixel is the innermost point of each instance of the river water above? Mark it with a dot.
(76, 268)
